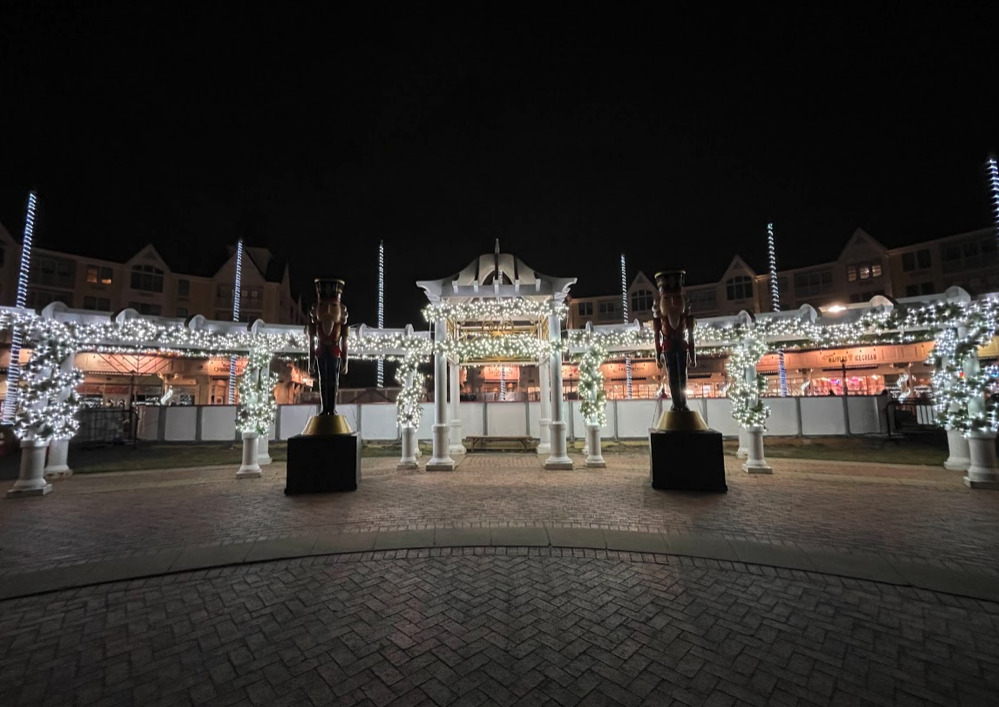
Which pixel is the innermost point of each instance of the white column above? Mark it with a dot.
(57, 466)
(959, 457)
(263, 450)
(544, 373)
(756, 463)
(440, 461)
(559, 459)
(250, 468)
(743, 451)
(454, 425)
(983, 472)
(409, 447)
(594, 459)
(31, 480)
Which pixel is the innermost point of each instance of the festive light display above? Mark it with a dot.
(494, 309)
(775, 303)
(235, 316)
(994, 188)
(48, 401)
(380, 371)
(509, 347)
(592, 396)
(257, 405)
(14, 366)
(407, 375)
(746, 389)
(624, 310)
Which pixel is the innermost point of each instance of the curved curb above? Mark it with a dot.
(872, 567)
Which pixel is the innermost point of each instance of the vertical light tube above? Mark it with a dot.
(624, 310)
(775, 301)
(14, 367)
(235, 317)
(502, 387)
(380, 373)
(994, 188)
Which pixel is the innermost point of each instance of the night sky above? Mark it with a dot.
(571, 138)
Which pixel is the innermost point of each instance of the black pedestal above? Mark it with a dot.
(320, 463)
(687, 461)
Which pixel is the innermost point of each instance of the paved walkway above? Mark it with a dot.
(503, 583)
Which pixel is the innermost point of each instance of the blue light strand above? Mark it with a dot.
(14, 367)
(235, 317)
(994, 187)
(775, 300)
(380, 372)
(624, 309)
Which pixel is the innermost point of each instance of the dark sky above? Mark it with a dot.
(573, 137)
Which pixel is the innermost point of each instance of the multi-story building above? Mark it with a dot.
(864, 268)
(146, 284)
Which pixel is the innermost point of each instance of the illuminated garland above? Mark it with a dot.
(257, 406)
(409, 411)
(746, 389)
(48, 402)
(592, 396)
(960, 392)
(510, 346)
(489, 310)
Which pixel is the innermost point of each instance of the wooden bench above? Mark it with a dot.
(484, 443)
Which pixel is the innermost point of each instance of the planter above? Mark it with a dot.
(250, 468)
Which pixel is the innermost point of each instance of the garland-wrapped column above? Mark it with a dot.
(257, 410)
(440, 461)
(559, 459)
(593, 401)
(983, 472)
(745, 391)
(57, 465)
(544, 379)
(456, 447)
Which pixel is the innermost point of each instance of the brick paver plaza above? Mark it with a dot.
(825, 583)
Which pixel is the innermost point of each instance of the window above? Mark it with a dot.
(702, 301)
(54, 272)
(812, 282)
(609, 310)
(147, 278)
(585, 309)
(223, 295)
(182, 312)
(101, 304)
(641, 301)
(97, 275)
(183, 289)
(38, 299)
(146, 308)
(863, 271)
(926, 288)
(740, 287)
(970, 255)
(916, 260)
(252, 297)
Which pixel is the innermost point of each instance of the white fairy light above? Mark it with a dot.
(624, 310)
(994, 188)
(380, 371)
(775, 301)
(235, 317)
(14, 366)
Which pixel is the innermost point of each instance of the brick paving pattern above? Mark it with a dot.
(918, 513)
(514, 626)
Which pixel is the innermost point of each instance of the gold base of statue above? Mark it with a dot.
(681, 421)
(320, 425)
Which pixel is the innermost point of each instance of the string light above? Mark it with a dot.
(14, 366)
(493, 310)
(624, 309)
(257, 405)
(380, 371)
(235, 316)
(592, 396)
(775, 301)
(994, 188)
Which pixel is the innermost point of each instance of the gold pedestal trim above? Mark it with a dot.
(681, 421)
(320, 425)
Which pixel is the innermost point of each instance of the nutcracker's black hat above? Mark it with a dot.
(669, 281)
(328, 288)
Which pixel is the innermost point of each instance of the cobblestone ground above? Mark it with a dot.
(544, 626)
(919, 513)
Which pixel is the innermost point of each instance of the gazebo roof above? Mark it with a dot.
(496, 275)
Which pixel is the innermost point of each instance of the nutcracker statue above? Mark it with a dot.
(674, 336)
(327, 332)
